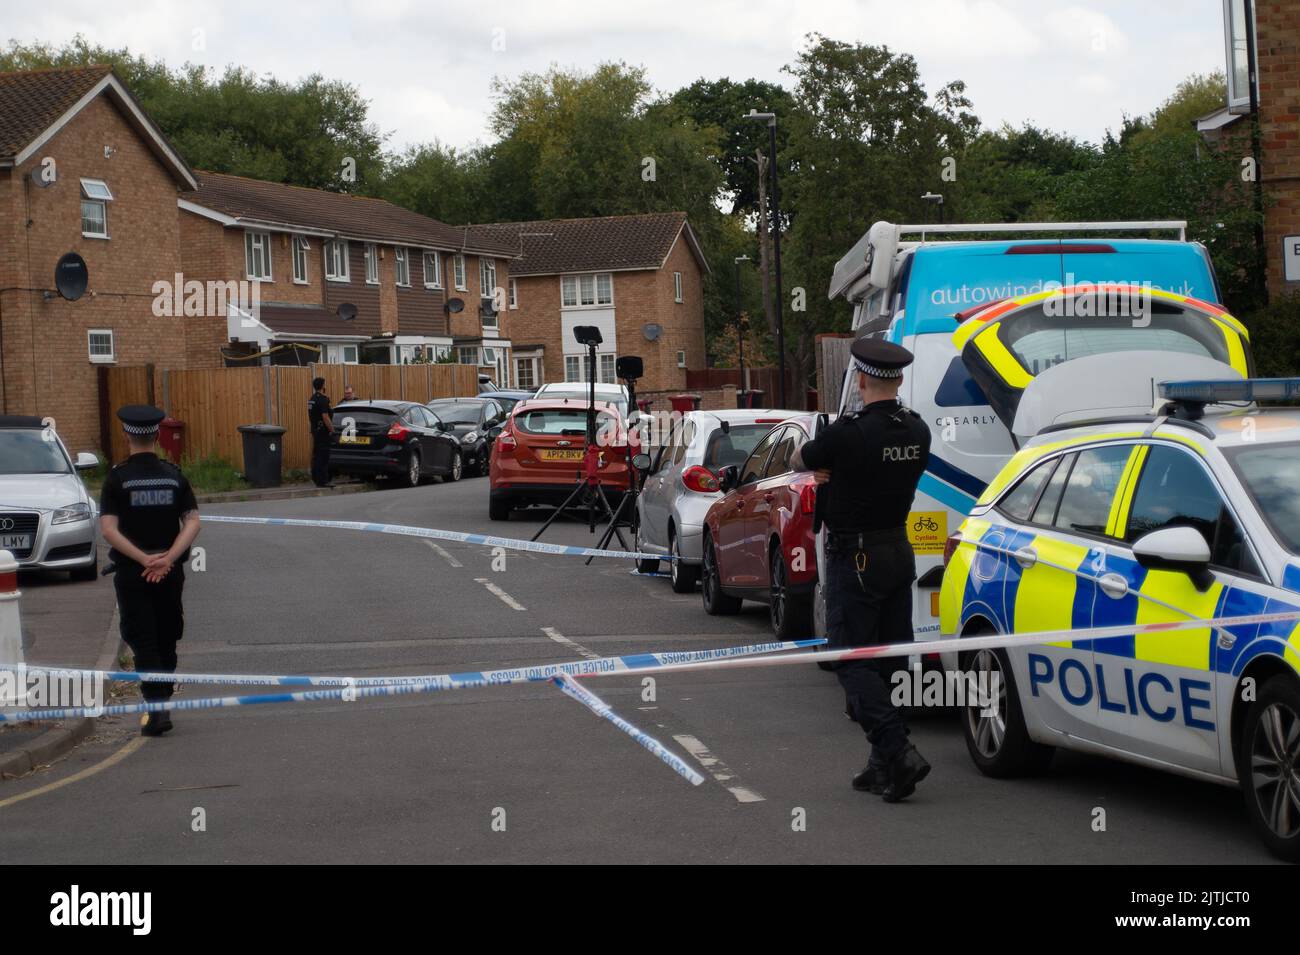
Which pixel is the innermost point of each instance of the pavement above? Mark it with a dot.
(522, 773)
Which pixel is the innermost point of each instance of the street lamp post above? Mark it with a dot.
(740, 324)
(770, 119)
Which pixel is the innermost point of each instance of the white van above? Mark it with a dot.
(912, 284)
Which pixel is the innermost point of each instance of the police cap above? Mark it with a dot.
(140, 419)
(878, 358)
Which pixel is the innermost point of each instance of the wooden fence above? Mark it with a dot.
(760, 379)
(214, 403)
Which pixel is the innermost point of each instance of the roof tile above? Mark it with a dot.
(31, 101)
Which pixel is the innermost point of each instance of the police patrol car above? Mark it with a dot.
(1189, 511)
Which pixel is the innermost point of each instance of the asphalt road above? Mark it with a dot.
(433, 778)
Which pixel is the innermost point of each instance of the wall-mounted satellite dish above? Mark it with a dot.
(43, 176)
(347, 311)
(71, 276)
(454, 305)
(651, 331)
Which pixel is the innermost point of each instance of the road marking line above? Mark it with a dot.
(716, 768)
(443, 554)
(565, 641)
(506, 599)
(113, 760)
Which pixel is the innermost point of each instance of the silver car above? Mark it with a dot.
(47, 517)
(683, 481)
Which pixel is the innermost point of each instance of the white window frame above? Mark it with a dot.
(681, 359)
(514, 294)
(677, 286)
(402, 265)
(487, 279)
(605, 368)
(355, 351)
(583, 290)
(571, 362)
(255, 244)
(531, 365)
(336, 253)
(300, 246)
(436, 259)
(95, 194)
(111, 357)
(458, 272)
(462, 349)
(372, 263)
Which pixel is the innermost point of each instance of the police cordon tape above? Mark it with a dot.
(343, 686)
(624, 663)
(572, 688)
(407, 530)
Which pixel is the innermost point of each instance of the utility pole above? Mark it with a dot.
(740, 327)
(770, 119)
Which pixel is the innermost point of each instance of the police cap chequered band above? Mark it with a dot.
(876, 372)
(140, 428)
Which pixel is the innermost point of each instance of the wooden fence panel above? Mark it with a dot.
(292, 391)
(213, 404)
(126, 385)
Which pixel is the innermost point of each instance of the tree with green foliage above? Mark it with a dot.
(314, 132)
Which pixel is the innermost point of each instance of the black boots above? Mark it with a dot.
(156, 724)
(873, 779)
(908, 768)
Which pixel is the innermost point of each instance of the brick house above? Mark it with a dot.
(82, 170)
(638, 278)
(342, 278)
(1277, 46)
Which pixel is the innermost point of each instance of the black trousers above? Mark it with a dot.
(152, 620)
(320, 458)
(867, 608)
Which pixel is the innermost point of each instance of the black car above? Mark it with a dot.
(509, 397)
(400, 439)
(475, 422)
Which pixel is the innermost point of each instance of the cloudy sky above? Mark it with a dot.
(426, 67)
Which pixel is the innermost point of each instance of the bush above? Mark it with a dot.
(1275, 337)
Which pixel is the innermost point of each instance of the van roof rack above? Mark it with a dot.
(957, 228)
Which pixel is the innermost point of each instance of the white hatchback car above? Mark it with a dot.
(47, 517)
(1192, 512)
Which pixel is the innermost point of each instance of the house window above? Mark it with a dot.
(300, 249)
(432, 270)
(468, 354)
(573, 368)
(681, 359)
(95, 197)
(403, 262)
(372, 264)
(526, 373)
(350, 356)
(677, 286)
(257, 255)
(594, 289)
(99, 343)
(336, 260)
(458, 271)
(487, 281)
(606, 369)
(514, 294)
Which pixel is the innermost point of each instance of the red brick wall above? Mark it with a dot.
(1278, 28)
(46, 369)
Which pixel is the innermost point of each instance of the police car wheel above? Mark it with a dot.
(644, 566)
(996, 737)
(1270, 766)
(791, 614)
(684, 577)
(715, 601)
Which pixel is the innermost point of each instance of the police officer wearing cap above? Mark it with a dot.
(149, 518)
(868, 466)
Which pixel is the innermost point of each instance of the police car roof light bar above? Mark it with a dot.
(1240, 389)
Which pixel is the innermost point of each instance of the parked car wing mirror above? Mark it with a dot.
(641, 461)
(729, 478)
(1176, 548)
(86, 461)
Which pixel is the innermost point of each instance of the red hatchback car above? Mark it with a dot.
(758, 538)
(537, 458)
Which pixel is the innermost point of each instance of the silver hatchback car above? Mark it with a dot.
(682, 482)
(47, 517)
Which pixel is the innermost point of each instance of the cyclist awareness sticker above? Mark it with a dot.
(927, 531)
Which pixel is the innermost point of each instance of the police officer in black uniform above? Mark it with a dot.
(868, 465)
(149, 518)
(319, 414)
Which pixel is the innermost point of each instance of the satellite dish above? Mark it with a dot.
(347, 311)
(454, 305)
(39, 177)
(71, 276)
(651, 331)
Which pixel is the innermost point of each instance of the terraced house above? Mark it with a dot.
(638, 278)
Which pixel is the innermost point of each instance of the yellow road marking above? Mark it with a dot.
(113, 760)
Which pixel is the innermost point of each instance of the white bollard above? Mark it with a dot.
(11, 625)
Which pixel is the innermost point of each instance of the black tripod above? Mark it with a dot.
(588, 482)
